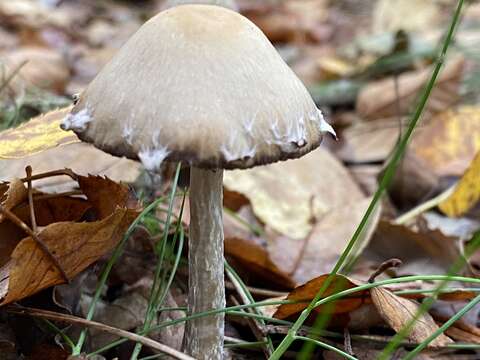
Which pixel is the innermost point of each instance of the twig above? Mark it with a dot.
(347, 341)
(28, 170)
(391, 263)
(254, 324)
(47, 174)
(258, 291)
(12, 75)
(14, 219)
(45, 314)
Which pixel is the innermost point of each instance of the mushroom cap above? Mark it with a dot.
(200, 84)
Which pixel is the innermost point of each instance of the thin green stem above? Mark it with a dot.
(281, 302)
(326, 346)
(161, 249)
(412, 354)
(384, 183)
(106, 272)
(429, 302)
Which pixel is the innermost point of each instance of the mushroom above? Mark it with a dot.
(203, 85)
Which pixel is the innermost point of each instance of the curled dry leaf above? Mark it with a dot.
(39, 134)
(27, 269)
(305, 293)
(255, 259)
(398, 312)
(467, 192)
(422, 251)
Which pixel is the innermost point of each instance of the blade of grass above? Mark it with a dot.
(106, 272)
(326, 346)
(429, 302)
(412, 354)
(326, 300)
(384, 183)
(161, 249)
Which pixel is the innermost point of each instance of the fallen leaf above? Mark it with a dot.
(289, 212)
(394, 15)
(466, 194)
(306, 292)
(379, 99)
(28, 269)
(256, 260)
(42, 67)
(91, 161)
(422, 251)
(398, 312)
(450, 141)
(320, 250)
(368, 142)
(39, 134)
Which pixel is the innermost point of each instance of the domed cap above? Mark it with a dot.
(200, 84)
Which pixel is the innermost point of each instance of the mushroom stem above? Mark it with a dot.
(204, 336)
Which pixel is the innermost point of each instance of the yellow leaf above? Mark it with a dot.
(39, 134)
(467, 192)
(449, 142)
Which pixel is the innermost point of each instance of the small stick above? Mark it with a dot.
(13, 218)
(258, 291)
(57, 195)
(392, 263)
(347, 341)
(47, 174)
(254, 324)
(28, 170)
(44, 314)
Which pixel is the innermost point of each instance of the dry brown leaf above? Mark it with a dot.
(422, 252)
(394, 15)
(305, 293)
(282, 194)
(379, 99)
(367, 142)
(463, 332)
(82, 158)
(27, 269)
(449, 142)
(42, 67)
(323, 246)
(39, 134)
(256, 262)
(398, 312)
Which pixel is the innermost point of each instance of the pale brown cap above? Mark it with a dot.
(200, 84)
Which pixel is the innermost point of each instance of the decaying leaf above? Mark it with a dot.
(450, 141)
(398, 312)
(92, 161)
(256, 260)
(317, 254)
(467, 192)
(305, 293)
(422, 251)
(40, 133)
(42, 67)
(284, 194)
(27, 269)
(379, 99)
(394, 15)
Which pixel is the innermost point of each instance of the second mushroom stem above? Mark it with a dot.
(204, 336)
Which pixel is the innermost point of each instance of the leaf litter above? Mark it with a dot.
(288, 223)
